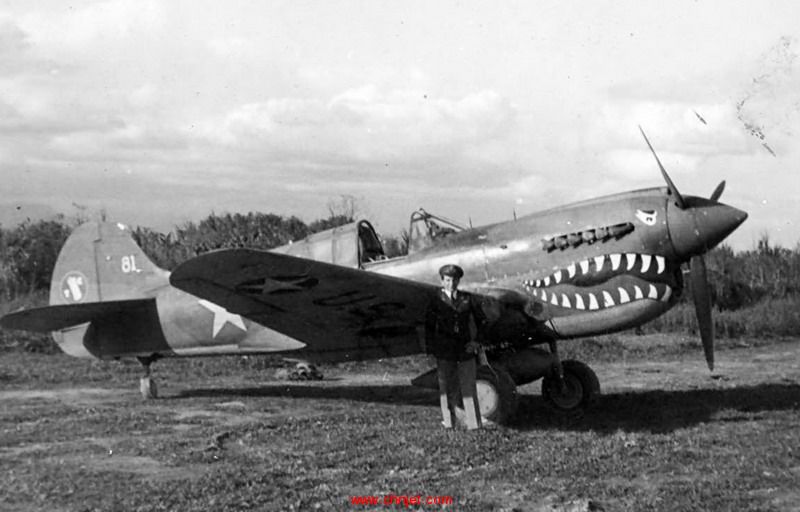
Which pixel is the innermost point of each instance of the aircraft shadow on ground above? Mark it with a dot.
(652, 411)
(662, 411)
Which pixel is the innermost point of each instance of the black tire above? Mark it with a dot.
(497, 394)
(581, 387)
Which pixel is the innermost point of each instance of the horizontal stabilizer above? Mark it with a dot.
(56, 318)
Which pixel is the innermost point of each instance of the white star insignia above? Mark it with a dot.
(221, 317)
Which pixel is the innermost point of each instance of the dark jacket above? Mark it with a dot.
(447, 325)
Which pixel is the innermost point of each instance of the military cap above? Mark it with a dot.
(452, 271)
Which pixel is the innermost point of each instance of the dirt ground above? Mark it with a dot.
(666, 435)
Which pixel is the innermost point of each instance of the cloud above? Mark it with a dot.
(13, 40)
(367, 127)
(68, 27)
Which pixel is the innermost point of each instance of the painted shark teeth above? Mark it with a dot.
(604, 298)
(600, 298)
(646, 260)
(597, 264)
(661, 264)
(631, 258)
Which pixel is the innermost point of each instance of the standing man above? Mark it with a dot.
(451, 337)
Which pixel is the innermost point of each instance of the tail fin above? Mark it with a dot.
(101, 276)
(100, 262)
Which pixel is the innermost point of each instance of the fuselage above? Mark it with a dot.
(591, 267)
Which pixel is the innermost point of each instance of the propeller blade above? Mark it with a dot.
(718, 191)
(672, 188)
(702, 307)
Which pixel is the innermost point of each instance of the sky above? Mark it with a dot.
(161, 112)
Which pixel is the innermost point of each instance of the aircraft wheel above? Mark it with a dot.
(581, 387)
(497, 394)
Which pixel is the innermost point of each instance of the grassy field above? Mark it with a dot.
(666, 435)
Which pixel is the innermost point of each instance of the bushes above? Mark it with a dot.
(746, 278)
(769, 317)
(28, 254)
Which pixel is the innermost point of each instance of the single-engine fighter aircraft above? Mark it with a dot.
(587, 268)
(592, 267)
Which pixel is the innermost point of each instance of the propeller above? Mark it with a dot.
(718, 191)
(701, 296)
(701, 292)
(672, 188)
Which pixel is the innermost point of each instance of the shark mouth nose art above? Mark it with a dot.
(608, 280)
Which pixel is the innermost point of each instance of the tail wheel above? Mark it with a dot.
(581, 387)
(497, 394)
(148, 389)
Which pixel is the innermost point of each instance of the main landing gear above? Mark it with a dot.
(566, 385)
(147, 386)
(570, 384)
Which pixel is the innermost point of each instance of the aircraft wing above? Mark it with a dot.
(330, 308)
(56, 318)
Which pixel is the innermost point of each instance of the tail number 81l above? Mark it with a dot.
(129, 264)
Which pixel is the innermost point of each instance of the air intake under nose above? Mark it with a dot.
(701, 225)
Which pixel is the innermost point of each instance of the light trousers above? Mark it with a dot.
(457, 388)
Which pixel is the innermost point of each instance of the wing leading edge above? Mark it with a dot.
(333, 309)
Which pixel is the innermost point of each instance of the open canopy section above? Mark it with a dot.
(426, 229)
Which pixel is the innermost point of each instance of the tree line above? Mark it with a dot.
(28, 251)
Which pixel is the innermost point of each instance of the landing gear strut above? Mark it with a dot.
(570, 385)
(147, 386)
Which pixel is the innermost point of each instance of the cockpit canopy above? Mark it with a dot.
(356, 244)
(350, 245)
(427, 229)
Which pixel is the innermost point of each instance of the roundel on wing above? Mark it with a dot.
(74, 286)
